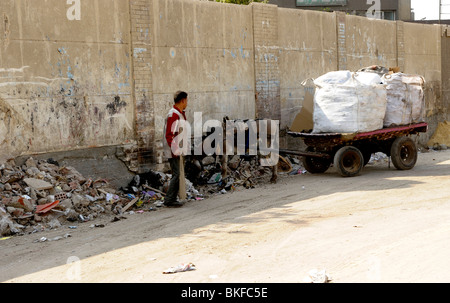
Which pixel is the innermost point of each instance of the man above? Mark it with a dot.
(171, 146)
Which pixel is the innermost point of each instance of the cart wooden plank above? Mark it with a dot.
(380, 134)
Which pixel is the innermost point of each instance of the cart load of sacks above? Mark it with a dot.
(355, 102)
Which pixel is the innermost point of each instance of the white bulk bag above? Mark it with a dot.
(347, 102)
(405, 99)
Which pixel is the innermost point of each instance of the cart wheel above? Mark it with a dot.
(367, 154)
(404, 153)
(349, 161)
(315, 165)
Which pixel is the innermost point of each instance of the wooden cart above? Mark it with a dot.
(349, 153)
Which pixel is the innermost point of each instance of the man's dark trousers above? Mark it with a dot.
(174, 185)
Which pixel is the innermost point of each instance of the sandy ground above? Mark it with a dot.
(383, 226)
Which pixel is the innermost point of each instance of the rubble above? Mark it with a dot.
(42, 195)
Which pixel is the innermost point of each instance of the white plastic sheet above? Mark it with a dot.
(347, 102)
(405, 99)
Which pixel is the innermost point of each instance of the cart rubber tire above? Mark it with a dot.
(349, 161)
(315, 165)
(367, 154)
(404, 153)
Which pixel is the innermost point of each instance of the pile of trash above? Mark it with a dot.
(243, 171)
(42, 195)
(207, 173)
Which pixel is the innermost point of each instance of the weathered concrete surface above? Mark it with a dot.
(307, 49)
(205, 49)
(370, 42)
(445, 45)
(104, 73)
(110, 162)
(422, 55)
(64, 84)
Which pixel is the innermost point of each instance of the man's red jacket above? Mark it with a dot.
(171, 130)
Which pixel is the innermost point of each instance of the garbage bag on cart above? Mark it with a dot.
(405, 99)
(347, 102)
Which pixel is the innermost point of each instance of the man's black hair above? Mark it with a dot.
(180, 96)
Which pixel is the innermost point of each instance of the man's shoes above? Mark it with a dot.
(174, 204)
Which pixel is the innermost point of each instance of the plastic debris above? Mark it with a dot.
(45, 239)
(378, 157)
(96, 225)
(41, 209)
(317, 276)
(180, 268)
(216, 178)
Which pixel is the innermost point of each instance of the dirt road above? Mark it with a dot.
(383, 226)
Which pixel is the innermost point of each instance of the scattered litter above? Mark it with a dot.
(297, 170)
(378, 157)
(149, 193)
(159, 203)
(118, 218)
(96, 225)
(130, 204)
(90, 198)
(44, 239)
(216, 178)
(180, 268)
(317, 276)
(41, 195)
(82, 218)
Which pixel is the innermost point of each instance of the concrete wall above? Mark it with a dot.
(104, 73)
(370, 42)
(445, 51)
(205, 49)
(307, 49)
(64, 84)
(422, 55)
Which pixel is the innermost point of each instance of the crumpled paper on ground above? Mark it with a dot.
(180, 268)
